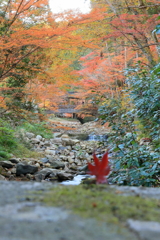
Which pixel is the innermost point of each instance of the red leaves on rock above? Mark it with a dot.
(100, 169)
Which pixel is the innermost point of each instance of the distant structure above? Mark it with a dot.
(67, 108)
(74, 106)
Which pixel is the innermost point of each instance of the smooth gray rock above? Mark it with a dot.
(47, 144)
(50, 152)
(35, 141)
(14, 160)
(146, 230)
(83, 168)
(63, 176)
(6, 164)
(66, 141)
(39, 177)
(57, 164)
(139, 191)
(44, 173)
(13, 170)
(51, 158)
(65, 136)
(26, 221)
(70, 160)
(11, 178)
(57, 134)
(33, 212)
(53, 146)
(74, 141)
(57, 140)
(30, 135)
(2, 177)
(61, 148)
(39, 137)
(25, 168)
(22, 219)
(63, 157)
(44, 160)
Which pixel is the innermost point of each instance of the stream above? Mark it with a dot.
(100, 138)
(78, 179)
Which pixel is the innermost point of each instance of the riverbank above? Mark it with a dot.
(62, 156)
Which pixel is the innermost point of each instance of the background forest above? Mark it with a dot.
(108, 57)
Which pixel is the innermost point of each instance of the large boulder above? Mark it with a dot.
(14, 160)
(25, 168)
(74, 142)
(35, 141)
(6, 164)
(44, 173)
(66, 141)
(57, 164)
(30, 135)
(63, 176)
(39, 137)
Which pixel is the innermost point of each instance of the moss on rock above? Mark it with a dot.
(103, 203)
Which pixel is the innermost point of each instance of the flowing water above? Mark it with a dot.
(100, 138)
(91, 137)
(76, 180)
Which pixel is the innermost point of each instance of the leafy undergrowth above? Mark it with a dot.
(23, 152)
(37, 128)
(12, 143)
(103, 203)
(19, 150)
(135, 128)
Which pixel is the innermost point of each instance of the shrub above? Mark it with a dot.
(4, 154)
(145, 94)
(135, 164)
(7, 138)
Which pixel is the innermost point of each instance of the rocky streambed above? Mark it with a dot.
(64, 157)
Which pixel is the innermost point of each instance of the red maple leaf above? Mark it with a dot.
(100, 169)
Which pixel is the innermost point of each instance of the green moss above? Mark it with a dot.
(21, 151)
(103, 203)
(36, 128)
(4, 155)
(10, 144)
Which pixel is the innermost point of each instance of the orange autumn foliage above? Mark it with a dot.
(113, 36)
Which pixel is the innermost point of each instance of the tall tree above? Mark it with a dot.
(28, 30)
